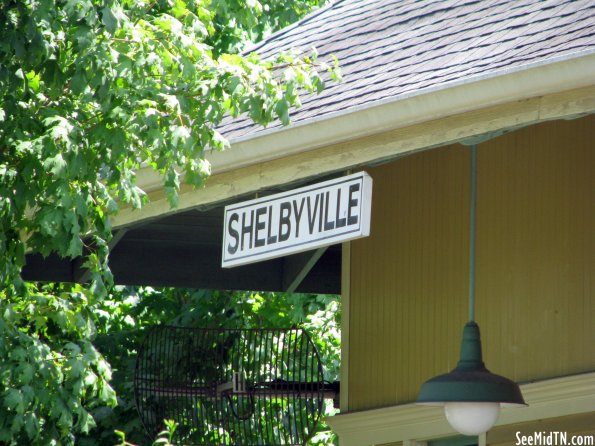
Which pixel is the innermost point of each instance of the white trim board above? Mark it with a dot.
(345, 323)
(546, 399)
(466, 94)
(227, 185)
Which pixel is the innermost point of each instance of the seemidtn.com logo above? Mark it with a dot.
(554, 438)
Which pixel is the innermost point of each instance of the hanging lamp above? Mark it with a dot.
(471, 394)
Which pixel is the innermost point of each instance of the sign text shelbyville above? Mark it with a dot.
(299, 220)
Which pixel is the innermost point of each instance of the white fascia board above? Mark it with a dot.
(474, 93)
(551, 398)
(447, 99)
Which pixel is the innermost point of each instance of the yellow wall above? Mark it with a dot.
(535, 263)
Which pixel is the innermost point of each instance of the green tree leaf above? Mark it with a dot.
(109, 19)
(14, 400)
(90, 92)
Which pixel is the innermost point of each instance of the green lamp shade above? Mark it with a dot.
(470, 381)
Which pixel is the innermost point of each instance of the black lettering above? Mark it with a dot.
(321, 212)
(352, 219)
(271, 238)
(312, 214)
(328, 225)
(247, 228)
(298, 215)
(284, 221)
(260, 225)
(233, 234)
(340, 222)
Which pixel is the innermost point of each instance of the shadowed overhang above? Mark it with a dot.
(184, 250)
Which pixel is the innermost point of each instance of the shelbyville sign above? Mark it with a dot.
(299, 220)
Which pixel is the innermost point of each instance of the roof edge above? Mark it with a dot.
(546, 77)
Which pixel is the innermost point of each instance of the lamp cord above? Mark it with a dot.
(472, 231)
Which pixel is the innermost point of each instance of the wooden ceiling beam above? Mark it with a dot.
(297, 267)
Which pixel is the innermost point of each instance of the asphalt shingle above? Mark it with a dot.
(388, 48)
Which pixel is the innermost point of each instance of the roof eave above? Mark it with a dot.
(469, 94)
(558, 89)
(499, 87)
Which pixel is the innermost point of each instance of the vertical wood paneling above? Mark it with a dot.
(536, 250)
(411, 270)
(535, 263)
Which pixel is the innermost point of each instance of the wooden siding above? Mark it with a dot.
(535, 263)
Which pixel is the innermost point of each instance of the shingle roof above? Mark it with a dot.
(390, 48)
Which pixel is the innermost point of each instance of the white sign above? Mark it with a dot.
(299, 220)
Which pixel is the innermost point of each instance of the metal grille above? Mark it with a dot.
(230, 387)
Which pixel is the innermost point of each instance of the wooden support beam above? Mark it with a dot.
(297, 267)
(83, 275)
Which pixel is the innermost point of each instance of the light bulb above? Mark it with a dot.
(472, 418)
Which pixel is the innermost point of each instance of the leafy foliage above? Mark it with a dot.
(51, 374)
(237, 22)
(90, 91)
(125, 316)
(165, 437)
(65, 355)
